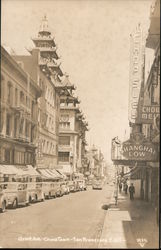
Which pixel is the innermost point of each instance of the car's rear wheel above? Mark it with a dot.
(30, 200)
(15, 204)
(35, 197)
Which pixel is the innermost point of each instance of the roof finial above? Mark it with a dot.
(44, 25)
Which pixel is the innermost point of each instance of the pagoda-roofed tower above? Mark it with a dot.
(48, 50)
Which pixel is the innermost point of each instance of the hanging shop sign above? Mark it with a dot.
(136, 149)
(149, 113)
(136, 69)
(140, 151)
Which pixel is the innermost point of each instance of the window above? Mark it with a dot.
(15, 126)
(8, 124)
(64, 140)
(32, 135)
(16, 96)
(47, 147)
(63, 156)
(21, 126)
(2, 89)
(9, 93)
(19, 157)
(7, 155)
(27, 129)
(32, 109)
(22, 97)
(65, 125)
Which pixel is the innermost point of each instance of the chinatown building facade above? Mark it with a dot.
(19, 113)
(43, 67)
(141, 152)
(72, 128)
(60, 126)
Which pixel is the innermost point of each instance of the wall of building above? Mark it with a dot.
(48, 112)
(18, 123)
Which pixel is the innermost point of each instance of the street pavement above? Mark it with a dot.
(72, 221)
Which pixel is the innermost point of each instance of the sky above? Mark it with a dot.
(93, 39)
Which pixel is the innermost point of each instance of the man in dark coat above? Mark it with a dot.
(132, 191)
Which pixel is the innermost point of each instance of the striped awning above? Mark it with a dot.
(12, 170)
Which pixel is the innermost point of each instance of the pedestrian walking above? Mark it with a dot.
(125, 188)
(120, 187)
(132, 191)
(115, 196)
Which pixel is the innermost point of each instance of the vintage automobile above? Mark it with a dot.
(89, 182)
(39, 195)
(47, 189)
(31, 188)
(71, 186)
(16, 194)
(76, 185)
(55, 189)
(82, 185)
(3, 200)
(97, 184)
(65, 188)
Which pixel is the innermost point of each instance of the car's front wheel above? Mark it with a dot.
(3, 207)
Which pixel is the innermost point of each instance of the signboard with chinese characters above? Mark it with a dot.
(149, 113)
(136, 72)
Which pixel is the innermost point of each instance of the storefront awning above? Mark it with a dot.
(45, 174)
(12, 170)
(65, 169)
(133, 171)
(54, 173)
(61, 173)
(28, 170)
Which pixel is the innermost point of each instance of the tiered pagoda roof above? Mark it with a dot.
(47, 46)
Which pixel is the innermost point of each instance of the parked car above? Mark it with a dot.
(16, 194)
(82, 185)
(55, 189)
(65, 188)
(3, 200)
(47, 189)
(89, 182)
(31, 187)
(39, 192)
(97, 184)
(71, 186)
(76, 185)
(59, 189)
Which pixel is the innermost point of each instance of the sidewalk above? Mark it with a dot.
(130, 224)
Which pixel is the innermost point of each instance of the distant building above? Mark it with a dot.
(72, 128)
(97, 166)
(18, 113)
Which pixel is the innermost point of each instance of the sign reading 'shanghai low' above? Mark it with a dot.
(140, 151)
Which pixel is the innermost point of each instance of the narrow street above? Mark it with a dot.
(69, 221)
